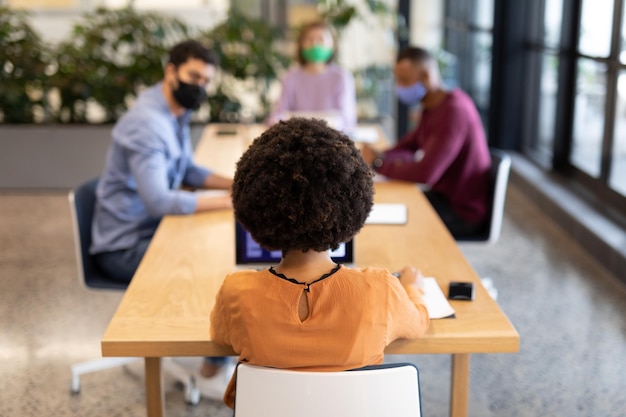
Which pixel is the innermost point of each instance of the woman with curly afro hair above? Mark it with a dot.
(303, 188)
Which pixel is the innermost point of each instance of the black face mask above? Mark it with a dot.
(190, 96)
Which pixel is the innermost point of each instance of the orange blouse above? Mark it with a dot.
(353, 315)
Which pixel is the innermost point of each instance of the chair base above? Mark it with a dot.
(94, 366)
(178, 372)
(185, 377)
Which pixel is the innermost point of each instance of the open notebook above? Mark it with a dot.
(384, 213)
(436, 302)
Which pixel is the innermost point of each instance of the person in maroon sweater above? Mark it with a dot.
(447, 152)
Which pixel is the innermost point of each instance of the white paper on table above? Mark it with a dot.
(436, 302)
(383, 213)
(365, 134)
(212, 193)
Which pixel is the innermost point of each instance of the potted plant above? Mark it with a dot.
(90, 79)
(109, 57)
(249, 63)
(23, 59)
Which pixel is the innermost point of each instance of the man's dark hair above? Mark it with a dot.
(186, 50)
(415, 55)
(302, 186)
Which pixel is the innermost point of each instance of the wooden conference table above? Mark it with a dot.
(166, 309)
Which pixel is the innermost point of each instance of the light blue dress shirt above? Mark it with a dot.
(150, 158)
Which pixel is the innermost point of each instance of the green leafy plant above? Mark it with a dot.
(339, 13)
(249, 63)
(112, 54)
(23, 62)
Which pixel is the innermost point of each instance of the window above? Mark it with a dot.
(548, 86)
(542, 66)
(574, 93)
(617, 177)
(468, 37)
(598, 145)
(595, 28)
(589, 116)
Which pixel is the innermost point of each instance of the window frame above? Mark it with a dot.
(510, 131)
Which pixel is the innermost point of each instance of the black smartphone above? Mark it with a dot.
(461, 290)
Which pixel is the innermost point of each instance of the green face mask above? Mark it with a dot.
(317, 53)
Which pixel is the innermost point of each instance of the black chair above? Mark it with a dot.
(499, 179)
(82, 206)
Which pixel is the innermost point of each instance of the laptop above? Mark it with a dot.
(250, 255)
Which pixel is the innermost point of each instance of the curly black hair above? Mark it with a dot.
(302, 185)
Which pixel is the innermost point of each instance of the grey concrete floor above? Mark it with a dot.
(569, 311)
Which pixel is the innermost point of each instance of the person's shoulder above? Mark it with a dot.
(242, 278)
(369, 273)
(294, 71)
(152, 92)
(142, 115)
(141, 118)
(139, 125)
(147, 117)
(457, 96)
(371, 281)
(338, 71)
(458, 101)
(150, 103)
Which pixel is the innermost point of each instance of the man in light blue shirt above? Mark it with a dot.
(149, 159)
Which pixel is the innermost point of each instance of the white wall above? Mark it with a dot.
(55, 27)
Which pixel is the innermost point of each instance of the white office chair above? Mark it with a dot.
(376, 391)
(82, 203)
(499, 175)
(500, 169)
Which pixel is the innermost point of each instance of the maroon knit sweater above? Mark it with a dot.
(455, 158)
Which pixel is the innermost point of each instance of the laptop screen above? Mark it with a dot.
(248, 252)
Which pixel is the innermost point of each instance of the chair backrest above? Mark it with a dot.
(82, 205)
(498, 182)
(500, 168)
(381, 390)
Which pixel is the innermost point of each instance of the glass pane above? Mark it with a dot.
(458, 10)
(552, 22)
(484, 14)
(589, 116)
(547, 103)
(623, 45)
(617, 177)
(595, 27)
(450, 62)
(481, 82)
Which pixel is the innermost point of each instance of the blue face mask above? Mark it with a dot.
(411, 95)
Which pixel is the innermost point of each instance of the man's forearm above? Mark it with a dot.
(216, 181)
(213, 202)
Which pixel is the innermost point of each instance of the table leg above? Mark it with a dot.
(154, 387)
(459, 391)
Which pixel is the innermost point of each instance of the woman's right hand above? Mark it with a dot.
(409, 275)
